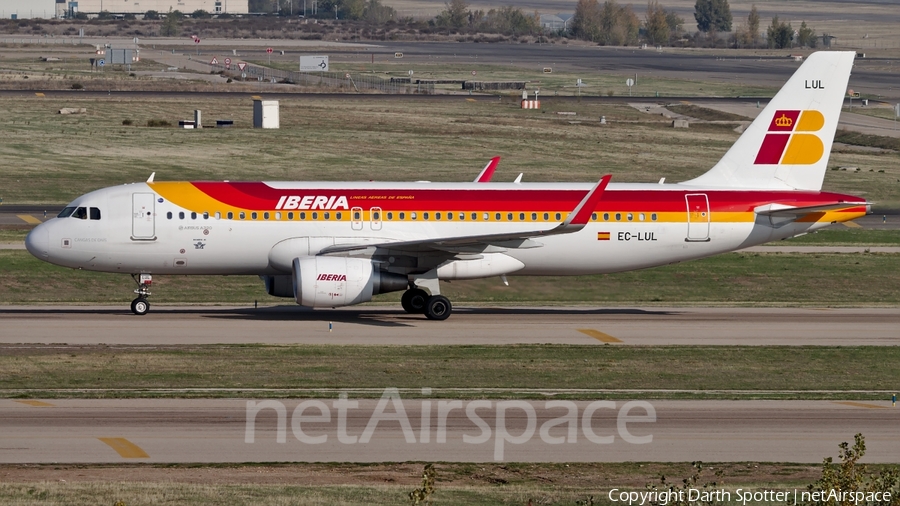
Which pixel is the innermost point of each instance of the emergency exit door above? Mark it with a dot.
(143, 219)
(697, 217)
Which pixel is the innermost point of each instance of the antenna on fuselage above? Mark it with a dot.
(150, 179)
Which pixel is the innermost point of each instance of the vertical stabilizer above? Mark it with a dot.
(787, 146)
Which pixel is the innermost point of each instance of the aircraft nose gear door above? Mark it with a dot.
(143, 226)
(698, 217)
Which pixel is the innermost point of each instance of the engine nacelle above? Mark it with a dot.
(334, 281)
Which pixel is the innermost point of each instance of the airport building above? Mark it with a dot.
(65, 8)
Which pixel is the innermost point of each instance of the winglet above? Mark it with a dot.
(581, 215)
(488, 172)
(150, 179)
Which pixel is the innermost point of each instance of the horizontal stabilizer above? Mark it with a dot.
(786, 210)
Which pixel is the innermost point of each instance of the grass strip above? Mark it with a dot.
(808, 372)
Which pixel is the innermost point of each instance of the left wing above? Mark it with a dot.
(576, 220)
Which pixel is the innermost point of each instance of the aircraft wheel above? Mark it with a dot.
(140, 306)
(413, 300)
(438, 307)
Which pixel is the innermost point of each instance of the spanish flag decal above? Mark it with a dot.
(602, 236)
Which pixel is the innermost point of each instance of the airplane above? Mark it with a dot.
(330, 244)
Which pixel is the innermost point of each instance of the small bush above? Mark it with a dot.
(127, 122)
(77, 86)
(229, 80)
(158, 123)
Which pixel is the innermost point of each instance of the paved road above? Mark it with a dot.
(202, 430)
(492, 326)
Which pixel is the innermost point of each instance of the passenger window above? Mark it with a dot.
(290, 216)
(376, 215)
(641, 216)
(521, 216)
(357, 216)
(437, 216)
(630, 217)
(474, 216)
(618, 216)
(605, 216)
(390, 215)
(218, 215)
(413, 215)
(509, 217)
(593, 216)
(181, 215)
(230, 215)
(66, 212)
(302, 216)
(558, 216)
(95, 213)
(277, 216)
(653, 216)
(169, 215)
(193, 216)
(533, 216)
(402, 216)
(339, 216)
(546, 216)
(265, 216)
(80, 213)
(449, 216)
(242, 215)
(497, 216)
(327, 215)
(205, 215)
(253, 215)
(485, 216)
(315, 216)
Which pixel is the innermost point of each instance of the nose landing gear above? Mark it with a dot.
(140, 306)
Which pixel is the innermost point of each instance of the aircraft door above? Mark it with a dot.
(376, 218)
(356, 218)
(143, 216)
(698, 217)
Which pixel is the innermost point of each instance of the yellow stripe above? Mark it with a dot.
(37, 404)
(860, 405)
(851, 224)
(600, 336)
(125, 448)
(39, 94)
(27, 218)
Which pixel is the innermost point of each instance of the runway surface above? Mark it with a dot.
(168, 325)
(116, 431)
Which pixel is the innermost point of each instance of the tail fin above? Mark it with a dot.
(787, 146)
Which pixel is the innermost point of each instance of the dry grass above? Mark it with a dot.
(51, 158)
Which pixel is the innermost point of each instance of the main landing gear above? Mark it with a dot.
(434, 307)
(140, 306)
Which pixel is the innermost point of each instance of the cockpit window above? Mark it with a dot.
(80, 213)
(95, 213)
(65, 213)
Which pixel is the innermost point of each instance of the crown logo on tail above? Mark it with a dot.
(783, 121)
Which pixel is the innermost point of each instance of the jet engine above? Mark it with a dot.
(333, 281)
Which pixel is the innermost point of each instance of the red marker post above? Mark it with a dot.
(269, 52)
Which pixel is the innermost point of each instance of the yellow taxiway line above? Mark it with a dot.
(125, 448)
(37, 404)
(860, 405)
(600, 336)
(27, 218)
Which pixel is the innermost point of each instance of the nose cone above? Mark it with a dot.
(37, 242)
